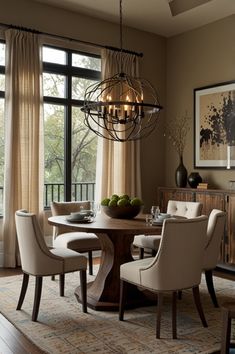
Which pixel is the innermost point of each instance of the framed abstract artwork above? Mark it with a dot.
(214, 126)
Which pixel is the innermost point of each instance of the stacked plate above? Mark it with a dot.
(161, 217)
(83, 216)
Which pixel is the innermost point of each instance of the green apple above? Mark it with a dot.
(124, 196)
(123, 202)
(112, 203)
(136, 202)
(105, 202)
(115, 196)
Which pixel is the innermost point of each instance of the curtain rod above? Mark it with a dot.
(70, 39)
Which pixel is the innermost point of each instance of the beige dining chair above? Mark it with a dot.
(175, 208)
(215, 232)
(77, 241)
(38, 260)
(177, 266)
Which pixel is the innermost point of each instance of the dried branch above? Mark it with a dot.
(177, 130)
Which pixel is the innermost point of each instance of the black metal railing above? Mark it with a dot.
(80, 191)
(55, 192)
(1, 200)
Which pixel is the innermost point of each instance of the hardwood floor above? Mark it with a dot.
(13, 341)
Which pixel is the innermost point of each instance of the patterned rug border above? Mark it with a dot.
(63, 328)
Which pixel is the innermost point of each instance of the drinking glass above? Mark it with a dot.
(155, 211)
(149, 219)
(95, 207)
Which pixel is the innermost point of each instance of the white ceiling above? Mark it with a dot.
(153, 15)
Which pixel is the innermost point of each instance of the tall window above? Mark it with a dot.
(70, 147)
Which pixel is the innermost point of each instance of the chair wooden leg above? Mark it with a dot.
(197, 300)
(159, 314)
(210, 287)
(37, 298)
(141, 253)
(122, 301)
(83, 284)
(174, 314)
(226, 332)
(24, 287)
(90, 264)
(62, 277)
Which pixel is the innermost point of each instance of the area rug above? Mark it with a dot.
(62, 327)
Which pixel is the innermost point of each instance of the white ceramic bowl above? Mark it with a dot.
(163, 216)
(77, 216)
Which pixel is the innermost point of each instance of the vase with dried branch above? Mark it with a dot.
(176, 131)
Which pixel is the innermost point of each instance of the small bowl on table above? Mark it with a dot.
(163, 216)
(122, 212)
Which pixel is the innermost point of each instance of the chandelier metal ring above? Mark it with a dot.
(122, 107)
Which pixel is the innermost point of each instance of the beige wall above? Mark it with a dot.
(202, 57)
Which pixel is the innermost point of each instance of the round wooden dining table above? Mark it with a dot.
(116, 237)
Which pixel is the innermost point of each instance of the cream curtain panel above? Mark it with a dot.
(24, 164)
(118, 163)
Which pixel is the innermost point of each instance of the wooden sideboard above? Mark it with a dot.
(211, 199)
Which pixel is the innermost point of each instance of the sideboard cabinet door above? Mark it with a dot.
(210, 201)
(230, 228)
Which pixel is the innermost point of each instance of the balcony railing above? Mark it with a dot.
(80, 191)
(55, 192)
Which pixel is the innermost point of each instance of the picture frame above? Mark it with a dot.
(214, 126)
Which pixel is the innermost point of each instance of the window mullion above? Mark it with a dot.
(68, 134)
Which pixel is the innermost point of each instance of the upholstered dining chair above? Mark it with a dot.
(215, 232)
(170, 270)
(77, 241)
(175, 208)
(38, 260)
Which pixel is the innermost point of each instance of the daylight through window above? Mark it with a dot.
(70, 147)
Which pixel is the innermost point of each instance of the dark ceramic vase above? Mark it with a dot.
(193, 179)
(181, 174)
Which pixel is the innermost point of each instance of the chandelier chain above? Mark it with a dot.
(121, 36)
(121, 40)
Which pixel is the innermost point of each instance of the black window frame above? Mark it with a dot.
(68, 102)
(2, 71)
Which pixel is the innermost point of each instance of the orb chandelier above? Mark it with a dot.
(122, 107)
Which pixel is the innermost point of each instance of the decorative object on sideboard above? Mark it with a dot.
(194, 179)
(203, 185)
(176, 131)
(181, 174)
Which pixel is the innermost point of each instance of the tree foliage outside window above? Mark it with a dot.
(63, 98)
